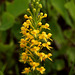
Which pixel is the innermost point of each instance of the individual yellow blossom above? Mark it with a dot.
(43, 36)
(23, 29)
(30, 59)
(26, 25)
(26, 70)
(49, 35)
(41, 69)
(24, 58)
(41, 55)
(22, 45)
(22, 40)
(24, 54)
(29, 36)
(35, 32)
(34, 65)
(35, 49)
(47, 45)
(46, 26)
(47, 56)
(23, 32)
(34, 42)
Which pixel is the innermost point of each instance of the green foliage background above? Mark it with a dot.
(61, 17)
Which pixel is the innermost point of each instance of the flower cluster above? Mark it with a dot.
(34, 39)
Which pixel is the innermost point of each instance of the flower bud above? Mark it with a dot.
(33, 0)
(45, 15)
(37, 3)
(40, 5)
(34, 10)
(30, 17)
(25, 16)
(47, 25)
(41, 14)
(32, 5)
(28, 21)
(28, 9)
(39, 23)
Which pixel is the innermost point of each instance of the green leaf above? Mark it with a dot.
(1, 73)
(17, 69)
(71, 70)
(1, 64)
(70, 36)
(60, 52)
(6, 47)
(12, 62)
(71, 54)
(17, 7)
(71, 8)
(59, 65)
(48, 66)
(7, 21)
(30, 73)
(59, 6)
(16, 30)
(3, 67)
(56, 32)
(10, 72)
(73, 37)
(3, 36)
(68, 33)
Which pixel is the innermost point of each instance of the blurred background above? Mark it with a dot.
(61, 17)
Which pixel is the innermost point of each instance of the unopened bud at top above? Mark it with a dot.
(28, 9)
(45, 15)
(40, 5)
(30, 17)
(38, 0)
(25, 16)
(39, 23)
(47, 25)
(41, 14)
(33, 0)
(28, 21)
(34, 10)
(37, 3)
(32, 5)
